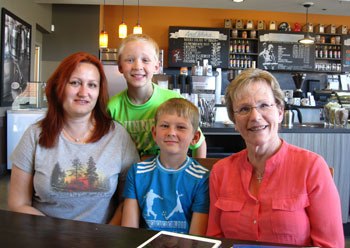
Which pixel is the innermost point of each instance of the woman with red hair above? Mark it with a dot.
(73, 162)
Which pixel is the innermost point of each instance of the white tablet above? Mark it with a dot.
(170, 239)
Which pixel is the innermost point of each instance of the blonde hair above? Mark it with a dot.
(139, 37)
(247, 77)
(181, 107)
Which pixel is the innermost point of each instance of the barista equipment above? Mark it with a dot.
(288, 115)
(298, 79)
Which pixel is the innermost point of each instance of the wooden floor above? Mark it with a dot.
(4, 185)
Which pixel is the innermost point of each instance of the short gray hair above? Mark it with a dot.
(246, 77)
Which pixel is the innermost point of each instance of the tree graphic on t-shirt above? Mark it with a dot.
(91, 174)
(57, 177)
(79, 176)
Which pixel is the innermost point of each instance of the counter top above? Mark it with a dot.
(220, 128)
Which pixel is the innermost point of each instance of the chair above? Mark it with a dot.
(207, 162)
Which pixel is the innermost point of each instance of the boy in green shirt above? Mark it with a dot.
(135, 107)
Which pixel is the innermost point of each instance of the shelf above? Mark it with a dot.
(327, 44)
(238, 68)
(250, 54)
(240, 38)
(329, 59)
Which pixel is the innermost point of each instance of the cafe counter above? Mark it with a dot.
(332, 143)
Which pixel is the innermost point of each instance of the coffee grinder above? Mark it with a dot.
(298, 94)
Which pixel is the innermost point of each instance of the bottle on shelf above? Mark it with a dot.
(339, 52)
(320, 52)
(239, 47)
(330, 53)
(325, 52)
(235, 46)
(247, 47)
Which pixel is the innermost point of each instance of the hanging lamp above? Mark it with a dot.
(307, 40)
(103, 34)
(123, 29)
(138, 28)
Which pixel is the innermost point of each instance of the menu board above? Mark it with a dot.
(346, 60)
(346, 54)
(286, 54)
(187, 45)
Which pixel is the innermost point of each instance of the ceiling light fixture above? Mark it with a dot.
(123, 29)
(103, 35)
(307, 40)
(138, 28)
(237, 1)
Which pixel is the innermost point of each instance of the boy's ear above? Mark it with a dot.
(157, 66)
(120, 68)
(196, 137)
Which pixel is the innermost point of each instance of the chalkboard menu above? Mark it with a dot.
(346, 62)
(187, 45)
(286, 54)
(346, 54)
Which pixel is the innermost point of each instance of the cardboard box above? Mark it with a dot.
(239, 24)
(330, 29)
(273, 25)
(250, 24)
(342, 29)
(261, 25)
(319, 28)
(228, 23)
(309, 27)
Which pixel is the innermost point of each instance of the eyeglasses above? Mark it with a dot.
(261, 108)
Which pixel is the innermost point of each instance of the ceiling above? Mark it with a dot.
(327, 7)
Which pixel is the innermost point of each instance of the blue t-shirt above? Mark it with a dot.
(168, 198)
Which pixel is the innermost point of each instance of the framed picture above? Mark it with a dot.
(15, 56)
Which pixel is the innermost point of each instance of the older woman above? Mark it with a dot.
(271, 191)
(72, 163)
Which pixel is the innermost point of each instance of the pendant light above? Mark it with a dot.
(123, 29)
(138, 28)
(307, 40)
(103, 34)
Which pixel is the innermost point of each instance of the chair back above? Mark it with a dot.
(207, 162)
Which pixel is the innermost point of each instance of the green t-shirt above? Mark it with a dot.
(139, 119)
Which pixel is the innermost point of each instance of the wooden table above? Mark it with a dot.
(23, 230)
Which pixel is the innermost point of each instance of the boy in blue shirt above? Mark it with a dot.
(169, 191)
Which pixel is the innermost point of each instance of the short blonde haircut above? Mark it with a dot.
(139, 37)
(247, 77)
(181, 107)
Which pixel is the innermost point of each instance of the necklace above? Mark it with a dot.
(259, 177)
(77, 140)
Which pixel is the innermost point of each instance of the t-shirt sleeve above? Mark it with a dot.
(24, 153)
(130, 187)
(201, 200)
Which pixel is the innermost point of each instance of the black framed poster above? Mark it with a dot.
(187, 45)
(15, 56)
